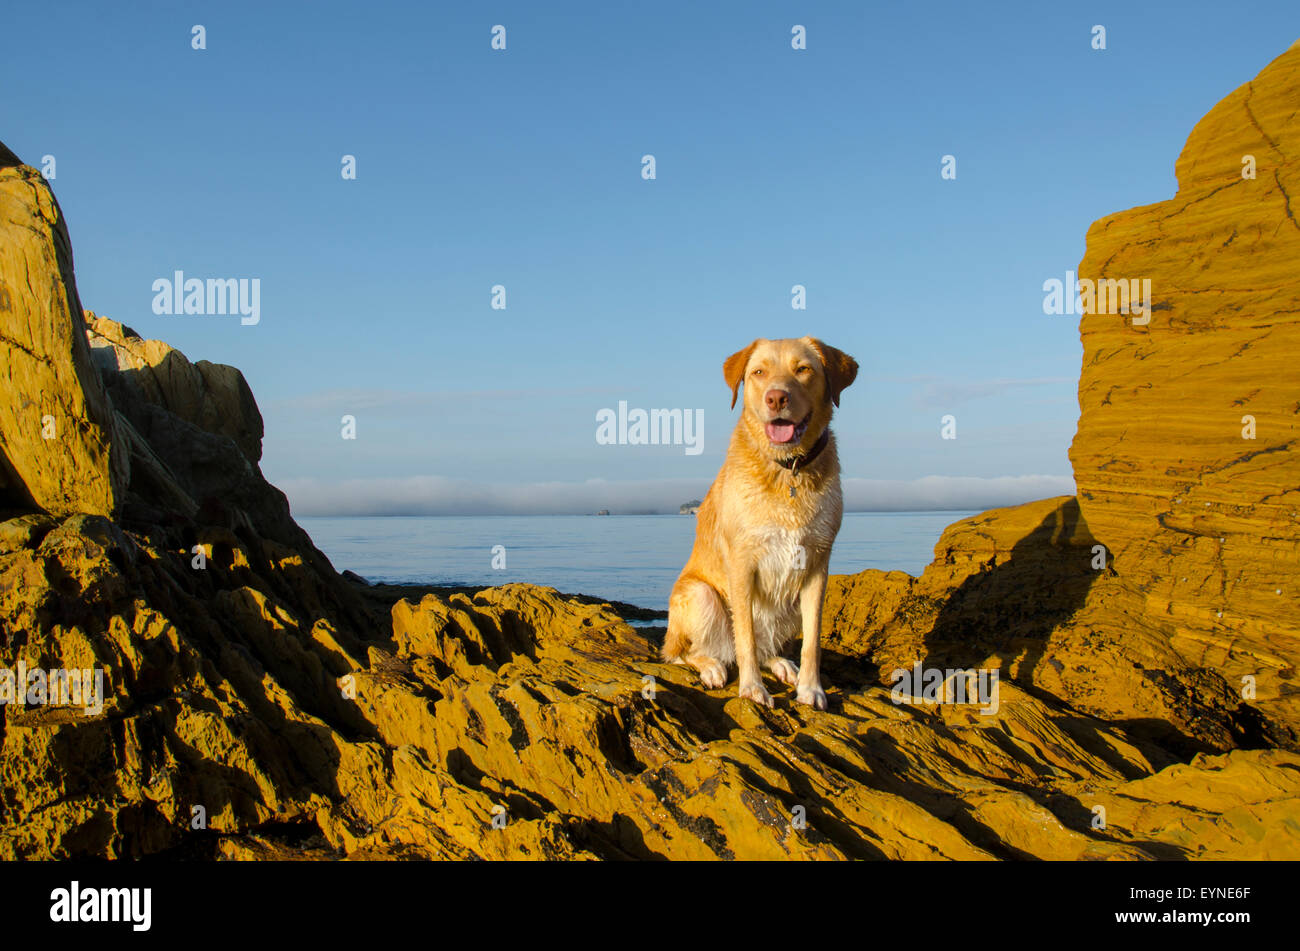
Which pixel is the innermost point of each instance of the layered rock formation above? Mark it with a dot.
(1185, 455)
(258, 705)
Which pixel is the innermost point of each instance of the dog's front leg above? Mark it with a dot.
(809, 688)
(741, 582)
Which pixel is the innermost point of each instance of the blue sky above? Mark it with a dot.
(522, 168)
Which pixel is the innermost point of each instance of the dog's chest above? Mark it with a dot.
(782, 539)
(782, 563)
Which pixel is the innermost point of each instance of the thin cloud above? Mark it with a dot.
(941, 394)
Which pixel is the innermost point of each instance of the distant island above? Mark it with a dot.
(690, 508)
(603, 512)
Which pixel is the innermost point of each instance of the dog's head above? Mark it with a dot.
(790, 388)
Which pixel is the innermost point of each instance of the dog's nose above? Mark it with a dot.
(775, 399)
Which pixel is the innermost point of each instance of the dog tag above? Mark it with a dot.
(791, 491)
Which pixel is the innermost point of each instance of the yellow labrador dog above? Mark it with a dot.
(764, 533)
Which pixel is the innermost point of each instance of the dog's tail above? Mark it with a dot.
(697, 620)
(676, 643)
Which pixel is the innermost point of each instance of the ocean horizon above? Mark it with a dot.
(630, 558)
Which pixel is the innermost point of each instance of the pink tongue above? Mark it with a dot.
(780, 432)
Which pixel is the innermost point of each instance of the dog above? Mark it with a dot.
(763, 535)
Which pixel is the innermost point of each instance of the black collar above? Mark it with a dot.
(802, 462)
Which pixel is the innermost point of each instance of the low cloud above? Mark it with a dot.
(951, 493)
(435, 495)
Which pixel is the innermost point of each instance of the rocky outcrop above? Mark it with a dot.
(1027, 591)
(143, 373)
(555, 718)
(1185, 457)
(195, 435)
(59, 450)
(141, 540)
(258, 705)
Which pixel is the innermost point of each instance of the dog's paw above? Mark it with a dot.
(713, 673)
(814, 696)
(785, 671)
(758, 693)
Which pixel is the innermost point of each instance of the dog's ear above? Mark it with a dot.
(841, 369)
(733, 370)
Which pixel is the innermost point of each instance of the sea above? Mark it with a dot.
(629, 558)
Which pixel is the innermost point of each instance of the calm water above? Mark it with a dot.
(632, 558)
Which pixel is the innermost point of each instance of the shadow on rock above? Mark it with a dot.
(1013, 605)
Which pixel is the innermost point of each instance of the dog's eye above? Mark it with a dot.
(758, 371)
(804, 369)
